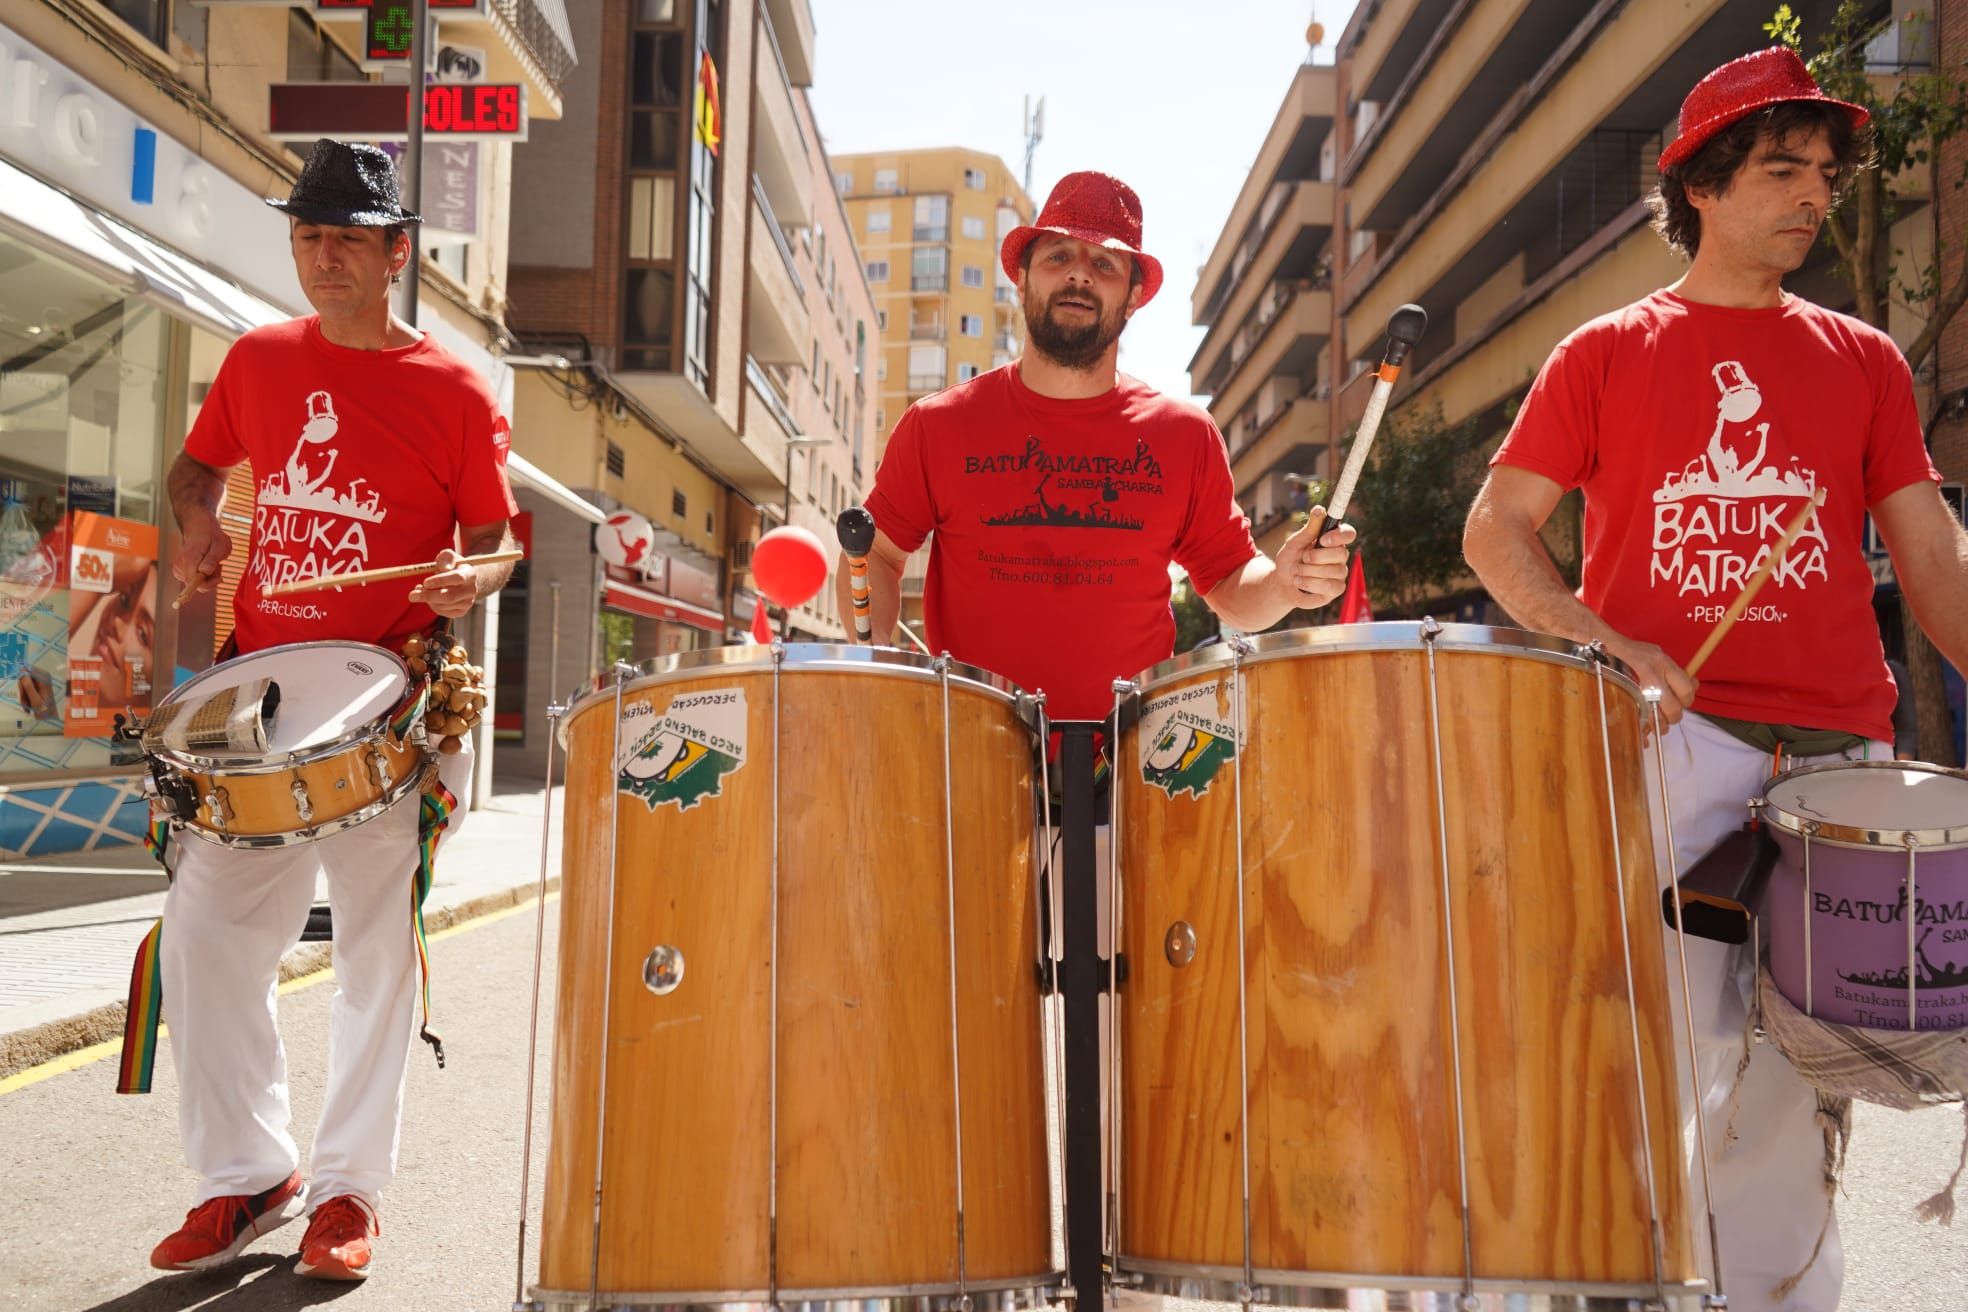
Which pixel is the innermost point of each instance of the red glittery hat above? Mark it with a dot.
(1093, 208)
(1740, 88)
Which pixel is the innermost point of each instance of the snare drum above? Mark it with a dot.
(1395, 1028)
(1860, 842)
(346, 744)
(798, 900)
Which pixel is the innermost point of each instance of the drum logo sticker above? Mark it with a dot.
(681, 754)
(1187, 737)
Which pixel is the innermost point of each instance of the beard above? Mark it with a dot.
(1071, 347)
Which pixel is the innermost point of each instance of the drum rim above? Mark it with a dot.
(1946, 839)
(1033, 1291)
(1388, 635)
(801, 657)
(1302, 1289)
(275, 763)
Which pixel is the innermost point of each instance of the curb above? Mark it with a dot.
(28, 1048)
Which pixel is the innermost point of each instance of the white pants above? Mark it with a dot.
(1767, 1181)
(229, 918)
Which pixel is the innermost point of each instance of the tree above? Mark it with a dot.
(1415, 492)
(1913, 115)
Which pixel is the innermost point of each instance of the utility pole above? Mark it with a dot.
(413, 152)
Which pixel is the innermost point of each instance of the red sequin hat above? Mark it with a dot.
(1093, 208)
(1738, 89)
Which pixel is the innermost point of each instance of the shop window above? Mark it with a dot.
(83, 385)
(146, 16)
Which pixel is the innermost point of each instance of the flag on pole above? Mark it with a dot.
(710, 123)
(761, 625)
(1354, 608)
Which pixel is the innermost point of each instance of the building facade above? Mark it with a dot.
(136, 145)
(678, 258)
(929, 223)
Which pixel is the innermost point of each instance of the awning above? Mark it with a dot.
(524, 473)
(655, 606)
(64, 227)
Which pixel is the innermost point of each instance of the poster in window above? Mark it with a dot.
(112, 617)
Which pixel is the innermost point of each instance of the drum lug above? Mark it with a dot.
(303, 804)
(379, 766)
(177, 795)
(219, 803)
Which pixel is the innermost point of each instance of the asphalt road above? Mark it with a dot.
(93, 1180)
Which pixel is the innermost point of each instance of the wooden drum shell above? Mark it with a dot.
(867, 1142)
(1352, 1121)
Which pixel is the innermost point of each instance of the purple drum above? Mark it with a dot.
(1861, 842)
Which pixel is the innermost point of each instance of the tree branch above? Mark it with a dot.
(1941, 311)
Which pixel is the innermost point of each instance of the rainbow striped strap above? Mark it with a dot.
(140, 1021)
(435, 808)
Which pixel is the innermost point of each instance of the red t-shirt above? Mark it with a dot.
(1698, 432)
(1055, 523)
(362, 460)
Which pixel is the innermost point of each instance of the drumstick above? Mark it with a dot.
(856, 530)
(1756, 582)
(195, 586)
(1404, 329)
(392, 572)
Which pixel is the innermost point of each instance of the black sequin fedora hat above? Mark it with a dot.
(349, 185)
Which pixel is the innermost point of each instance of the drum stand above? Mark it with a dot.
(1083, 974)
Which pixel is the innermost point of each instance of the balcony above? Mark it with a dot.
(1295, 439)
(928, 330)
(1458, 86)
(1389, 45)
(775, 302)
(791, 25)
(1288, 247)
(525, 41)
(783, 159)
(930, 282)
(920, 384)
(1289, 343)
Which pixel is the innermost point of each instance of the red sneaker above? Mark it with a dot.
(215, 1231)
(336, 1246)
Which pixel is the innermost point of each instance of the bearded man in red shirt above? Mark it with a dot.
(370, 446)
(1055, 490)
(1698, 420)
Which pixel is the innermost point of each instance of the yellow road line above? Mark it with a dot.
(95, 1052)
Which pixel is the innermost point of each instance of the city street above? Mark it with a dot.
(94, 1180)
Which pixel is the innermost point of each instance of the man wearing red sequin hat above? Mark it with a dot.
(1700, 421)
(1056, 490)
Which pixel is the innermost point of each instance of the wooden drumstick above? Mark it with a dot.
(1755, 584)
(197, 585)
(392, 572)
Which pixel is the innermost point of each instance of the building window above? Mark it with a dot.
(679, 504)
(881, 321)
(877, 270)
(929, 269)
(618, 462)
(966, 372)
(147, 16)
(973, 227)
(885, 181)
(970, 325)
(928, 368)
(973, 276)
(877, 218)
(932, 218)
(844, 183)
(974, 179)
(881, 370)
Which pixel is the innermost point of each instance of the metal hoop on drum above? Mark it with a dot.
(942, 665)
(623, 672)
(1597, 653)
(1240, 647)
(1430, 632)
(1720, 1297)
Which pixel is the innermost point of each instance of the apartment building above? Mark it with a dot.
(929, 223)
(136, 148)
(1264, 298)
(679, 258)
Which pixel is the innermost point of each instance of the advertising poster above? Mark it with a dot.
(112, 618)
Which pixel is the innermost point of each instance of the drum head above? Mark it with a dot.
(1890, 798)
(328, 690)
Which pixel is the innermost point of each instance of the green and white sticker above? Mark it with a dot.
(682, 754)
(1187, 737)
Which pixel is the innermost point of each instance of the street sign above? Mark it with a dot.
(385, 23)
(380, 111)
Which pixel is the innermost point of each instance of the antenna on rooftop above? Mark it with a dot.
(1034, 134)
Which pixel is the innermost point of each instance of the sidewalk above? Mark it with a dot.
(69, 926)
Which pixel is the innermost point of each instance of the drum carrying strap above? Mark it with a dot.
(434, 813)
